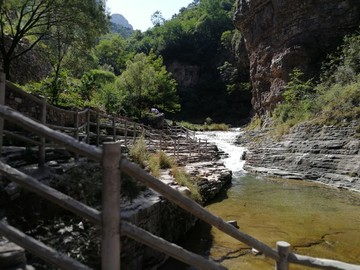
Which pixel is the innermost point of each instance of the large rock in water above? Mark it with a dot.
(281, 35)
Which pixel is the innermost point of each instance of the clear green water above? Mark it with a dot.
(316, 220)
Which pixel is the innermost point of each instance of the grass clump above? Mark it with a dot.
(255, 123)
(155, 162)
(205, 126)
(160, 160)
(184, 179)
(138, 152)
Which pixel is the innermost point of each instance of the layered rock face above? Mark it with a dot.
(326, 154)
(281, 35)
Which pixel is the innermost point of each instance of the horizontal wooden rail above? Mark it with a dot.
(321, 263)
(39, 249)
(173, 250)
(72, 144)
(22, 138)
(63, 128)
(94, 216)
(50, 194)
(18, 90)
(191, 206)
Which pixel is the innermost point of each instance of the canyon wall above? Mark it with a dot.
(283, 34)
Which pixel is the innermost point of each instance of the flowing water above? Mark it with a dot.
(316, 220)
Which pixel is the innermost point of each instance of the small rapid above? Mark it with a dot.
(226, 142)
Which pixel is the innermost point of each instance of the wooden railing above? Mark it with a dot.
(109, 219)
(93, 127)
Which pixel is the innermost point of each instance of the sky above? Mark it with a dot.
(138, 12)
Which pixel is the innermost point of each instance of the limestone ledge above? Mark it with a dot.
(328, 154)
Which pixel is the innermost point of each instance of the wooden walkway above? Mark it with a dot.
(109, 156)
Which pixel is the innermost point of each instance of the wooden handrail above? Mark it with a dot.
(192, 207)
(39, 249)
(72, 144)
(94, 216)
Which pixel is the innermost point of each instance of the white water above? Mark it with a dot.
(225, 141)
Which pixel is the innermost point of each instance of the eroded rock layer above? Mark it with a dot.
(328, 154)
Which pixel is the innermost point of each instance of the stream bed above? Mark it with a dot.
(316, 220)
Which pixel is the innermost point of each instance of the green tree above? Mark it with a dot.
(59, 23)
(157, 18)
(146, 83)
(92, 81)
(112, 51)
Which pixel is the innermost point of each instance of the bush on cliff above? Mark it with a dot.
(333, 100)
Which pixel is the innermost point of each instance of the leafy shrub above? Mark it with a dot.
(93, 80)
(61, 90)
(298, 102)
(108, 98)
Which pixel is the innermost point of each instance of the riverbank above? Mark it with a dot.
(327, 154)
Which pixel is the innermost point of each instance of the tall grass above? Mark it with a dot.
(205, 127)
(185, 179)
(138, 152)
(160, 160)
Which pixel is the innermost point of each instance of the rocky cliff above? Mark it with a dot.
(32, 66)
(280, 35)
(328, 154)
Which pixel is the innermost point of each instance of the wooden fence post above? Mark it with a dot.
(42, 139)
(283, 249)
(190, 148)
(97, 129)
(76, 120)
(114, 129)
(2, 102)
(110, 246)
(177, 149)
(134, 139)
(88, 115)
(174, 147)
(126, 131)
(160, 143)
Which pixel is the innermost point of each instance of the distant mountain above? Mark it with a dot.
(120, 20)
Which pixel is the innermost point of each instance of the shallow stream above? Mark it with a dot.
(316, 220)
